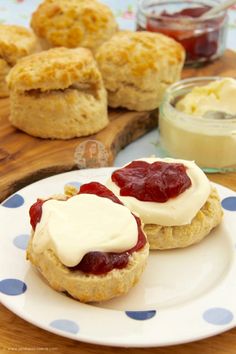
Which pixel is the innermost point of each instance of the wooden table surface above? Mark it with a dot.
(19, 336)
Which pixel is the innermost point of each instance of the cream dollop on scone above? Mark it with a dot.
(58, 93)
(73, 23)
(15, 43)
(174, 199)
(137, 67)
(89, 245)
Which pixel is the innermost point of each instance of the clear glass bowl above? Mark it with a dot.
(210, 142)
(204, 40)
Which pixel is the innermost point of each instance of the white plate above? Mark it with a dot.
(184, 295)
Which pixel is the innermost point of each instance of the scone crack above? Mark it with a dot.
(128, 84)
(82, 88)
(90, 89)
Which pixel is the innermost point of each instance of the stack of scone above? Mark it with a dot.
(61, 93)
(136, 67)
(58, 93)
(15, 42)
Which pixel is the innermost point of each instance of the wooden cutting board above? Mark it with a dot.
(24, 159)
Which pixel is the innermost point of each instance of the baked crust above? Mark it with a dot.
(4, 70)
(89, 287)
(15, 43)
(84, 23)
(58, 94)
(167, 237)
(55, 69)
(137, 67)
(59, 115)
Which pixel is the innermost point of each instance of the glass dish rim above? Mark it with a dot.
(228, 125)
(223, 14)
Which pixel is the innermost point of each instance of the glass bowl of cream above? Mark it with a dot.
(197, 122)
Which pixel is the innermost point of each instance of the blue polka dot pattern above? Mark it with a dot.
(218, 316)
(15, 201)
(65, 325)
(74, 184)
(141, 315)
(229, 203)
(21, 241)
(12, 287)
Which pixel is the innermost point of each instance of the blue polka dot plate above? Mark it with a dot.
(184, 295)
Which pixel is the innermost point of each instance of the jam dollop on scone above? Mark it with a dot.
(89, 245)
(174, 199)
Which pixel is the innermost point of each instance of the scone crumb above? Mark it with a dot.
(70, 190)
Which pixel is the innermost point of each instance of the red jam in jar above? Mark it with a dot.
(155, 182)
(203, 39)
(96, 262)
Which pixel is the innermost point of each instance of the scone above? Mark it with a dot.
(137, 67)
(15, 43)
(174, 199)
(88, 245)
(58, 93)
(73, 23)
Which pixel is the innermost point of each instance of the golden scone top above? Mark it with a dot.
(73, 23)
(55, 69)
(141, 51)
(16, 42)
(137, 67)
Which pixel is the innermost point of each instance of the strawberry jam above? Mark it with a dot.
(191, 12)
(152, 182)
(36, 213)
(96, 262)
(202, 39)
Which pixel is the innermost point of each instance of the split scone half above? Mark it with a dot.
(173, 198)
(16, 42)
(58, 94)
(89, 245)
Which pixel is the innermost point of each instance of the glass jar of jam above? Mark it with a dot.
(204, 39)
